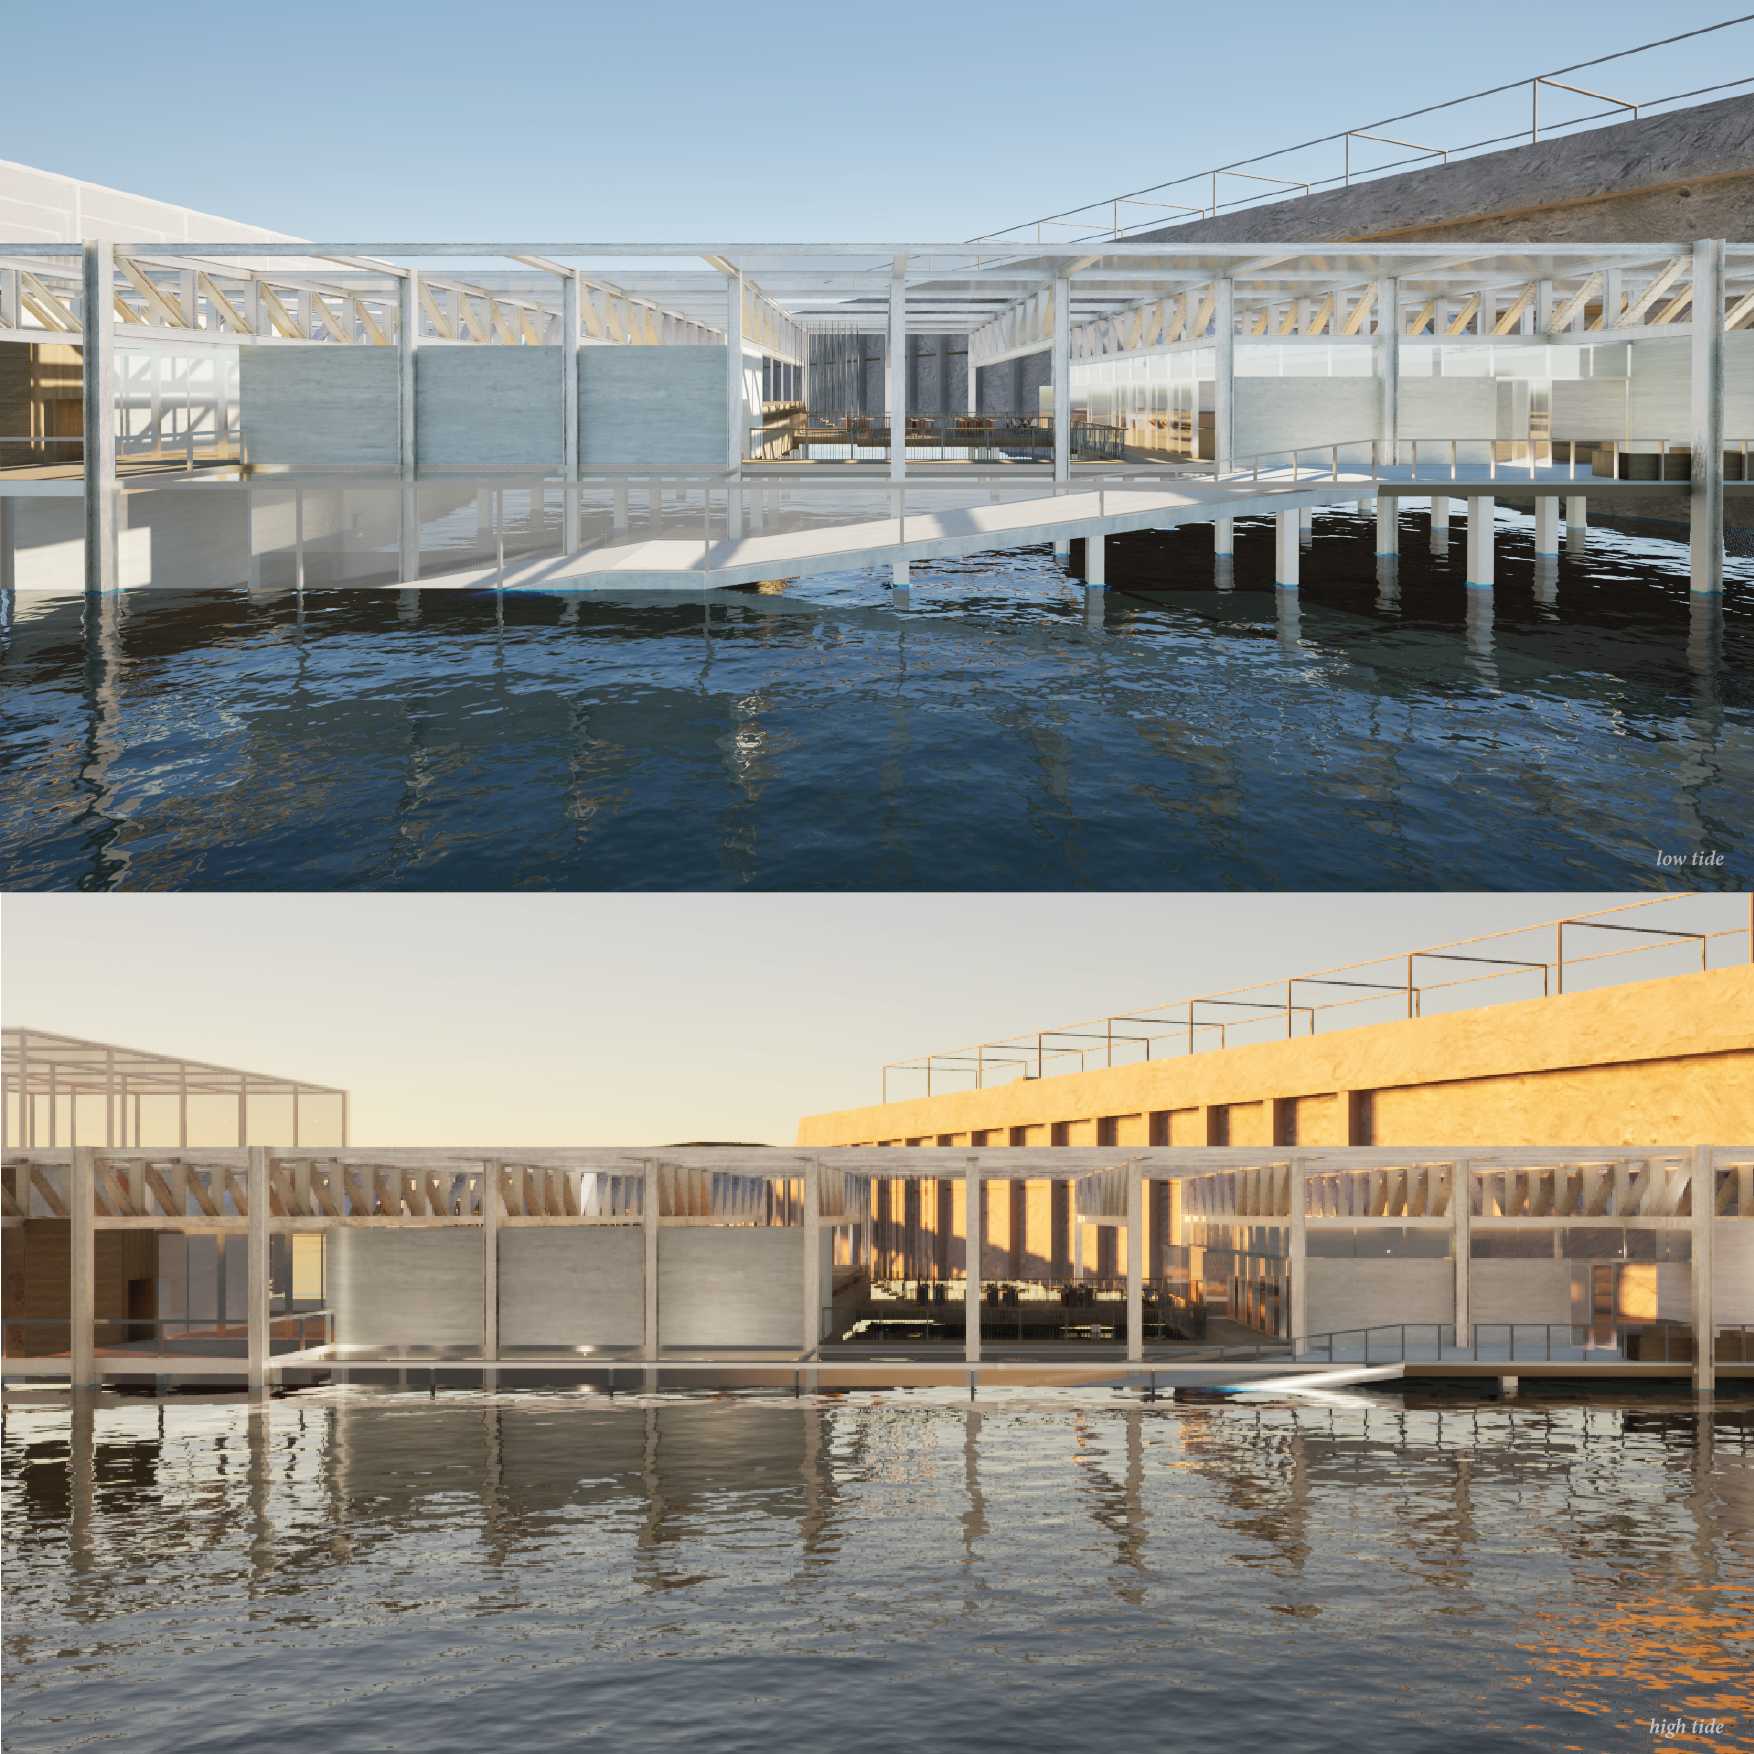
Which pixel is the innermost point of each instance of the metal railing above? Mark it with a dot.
(1082, 221)
(1401, 984)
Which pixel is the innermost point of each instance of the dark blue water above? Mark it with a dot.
(348, 1572)
(1392, 732)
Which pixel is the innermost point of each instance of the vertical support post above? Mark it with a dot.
(1224, 538)
(1095, 562)
(1223, 375)
(812, 1312)
(1060, 377)
(1577, 522)
(256, 1271)
(490, 1262)
(1297, 1252)
(1388, 374)
(1440, 523)
(99, 379)
(898, 372)
(1388, 527)
(648, 1211)
(1286, 543)
(8, 543)
(1461, 1200)
(1704, 1313)
(971, 1306)
(1480, 543)
(82, 1268)
(569, 406)
(407, 341)
(1547, 525)
(1135, 1265)
(1707, 493)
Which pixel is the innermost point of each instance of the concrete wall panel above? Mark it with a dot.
(723, 1287)
(394, 1287)
(1370, 1294)
(571, 1286)
(488, 405)
(1522, 1291)
(1275, 414)
(320, 405)
(663, 405)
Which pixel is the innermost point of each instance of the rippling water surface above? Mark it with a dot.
(347, 1570)
(1370, 732)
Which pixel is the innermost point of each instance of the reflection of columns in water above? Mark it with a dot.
(101, 674)
(1440, 524)
(974, 1519)
(1095, 606)
(1290, 616)
(259, 1433)
(1480, 620)
(1388, 582)
(82, 1478)
(1699, 765)
(1546, 580)
(818, 1476)
(408, 525)
(1224, 573)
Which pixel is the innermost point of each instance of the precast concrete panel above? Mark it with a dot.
(570, 1286)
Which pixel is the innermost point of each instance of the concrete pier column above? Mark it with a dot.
(1297, 1315)
(1306, 525)
(811, 1336)
(900, 578)
(1095, 561)
(99, 367)
(1547, 525)
(1135, 1265)
(648, 1204)
(1063, 549)
(257, 1288)
(1706, 494)
(1224, 538)
(1388, 526)
(971, 1309)
(8, 543)
(82, 1268)
(1480, 541)
(1285, 550)
(1461, 1196)
(1577, 522)
(490, 1204)
(1704, 1312)
(1440, 523)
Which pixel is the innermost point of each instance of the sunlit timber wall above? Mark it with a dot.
(1652, 1062)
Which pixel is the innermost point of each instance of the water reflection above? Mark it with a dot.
(996, 731)
(1527, 1574)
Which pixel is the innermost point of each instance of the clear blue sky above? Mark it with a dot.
(770, 119)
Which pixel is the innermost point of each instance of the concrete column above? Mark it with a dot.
(569, 405)
(1547, 524)
(1480, 546)
(734, 412)
(407, 340)
(1440, 523)
(82, 1268)
(1388, 530)
(256, 1275)
(1285, 550)
(1462, 1244)
(1706, 498)
(1060, 363)
(648, 1201)
(972, 1270)
(490, 1203)
(1704, 1312)
(812, 1312)
(99, 366)
(1095, 562)
(1224, 538)
(1577, 522)
(1223, 374)
(1297, 1251)
(1306, 525)
(8, 543)
(898, 397)
(1135, 1266)
(1388, 370)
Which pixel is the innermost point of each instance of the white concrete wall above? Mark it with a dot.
(1372, 1294)
(571, 1287)
(1660, 396)
(1590, 408)
(1446, 408)
(1523, 1291)
(1276, 414)
(394, 1287)
(488, 405)
(1732, 1260)
(653, 405)
(723, 1287)
(327, 406)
